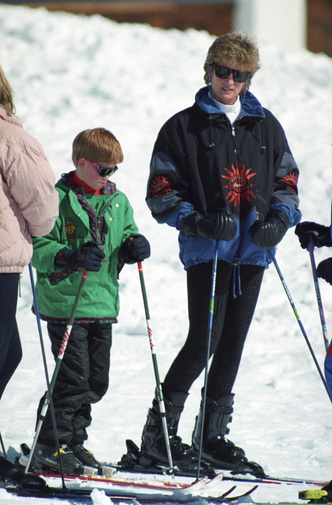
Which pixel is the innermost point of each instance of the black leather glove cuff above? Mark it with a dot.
(216, 225)
(270, 231)
(279, 214)
(189, 223)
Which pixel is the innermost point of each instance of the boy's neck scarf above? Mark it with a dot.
(108, 189)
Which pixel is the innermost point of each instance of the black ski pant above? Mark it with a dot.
(10, 344)
(83, 379)
(233, 313)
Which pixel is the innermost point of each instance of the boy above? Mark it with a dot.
(95, 231)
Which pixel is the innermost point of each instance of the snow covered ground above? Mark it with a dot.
(72, 72)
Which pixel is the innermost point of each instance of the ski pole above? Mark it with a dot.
(208, 346)
(3, 446)
(57, 366)
(56, 438)
(300, 323)
(318, 295)
(159, 391)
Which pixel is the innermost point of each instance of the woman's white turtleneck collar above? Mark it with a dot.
(231, 111)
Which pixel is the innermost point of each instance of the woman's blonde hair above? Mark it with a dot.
(6, 94)
(233, 48)
(95, 145)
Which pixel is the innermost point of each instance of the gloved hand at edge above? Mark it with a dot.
(324, 270)
(320, 234)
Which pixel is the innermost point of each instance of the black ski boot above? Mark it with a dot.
(217, 450)
(153, 447)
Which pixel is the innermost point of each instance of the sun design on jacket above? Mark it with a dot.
(238, 184)
(290, 180)
(160, 185)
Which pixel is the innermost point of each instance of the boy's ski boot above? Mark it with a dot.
(45, 458)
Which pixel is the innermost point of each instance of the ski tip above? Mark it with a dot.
(316, 496)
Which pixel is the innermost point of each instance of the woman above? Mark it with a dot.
(28, 207)
(223, 175)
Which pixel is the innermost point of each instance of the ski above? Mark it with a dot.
(136, 498)
(111, 475)
(228, 476)
(140, 488)
(130, 463)
(142, 483)
(132, 482)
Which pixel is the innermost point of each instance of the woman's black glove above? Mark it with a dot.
(87, 257)
(324, 270)
(320, 234)
(217, 225)
(269, 231)
(136, 248)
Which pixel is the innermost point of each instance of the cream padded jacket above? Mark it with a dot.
(28, 199)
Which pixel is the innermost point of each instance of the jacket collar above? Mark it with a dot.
(250, 106)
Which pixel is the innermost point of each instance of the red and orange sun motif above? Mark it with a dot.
(160, 185)
(238, 184)
(290, 180)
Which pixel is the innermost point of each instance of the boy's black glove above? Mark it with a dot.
(87, 257)
(136, 248)
(216, 226)
(320, 234)
(324, 270)
(269, 231)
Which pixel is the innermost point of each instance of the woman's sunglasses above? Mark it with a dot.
(224, 72)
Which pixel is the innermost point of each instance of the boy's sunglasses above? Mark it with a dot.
(102, 171)
(224, 72)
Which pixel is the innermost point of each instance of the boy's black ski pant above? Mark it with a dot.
(83, 379)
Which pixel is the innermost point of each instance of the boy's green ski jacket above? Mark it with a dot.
(106, 219)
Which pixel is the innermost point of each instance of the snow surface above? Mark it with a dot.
(72, 72)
